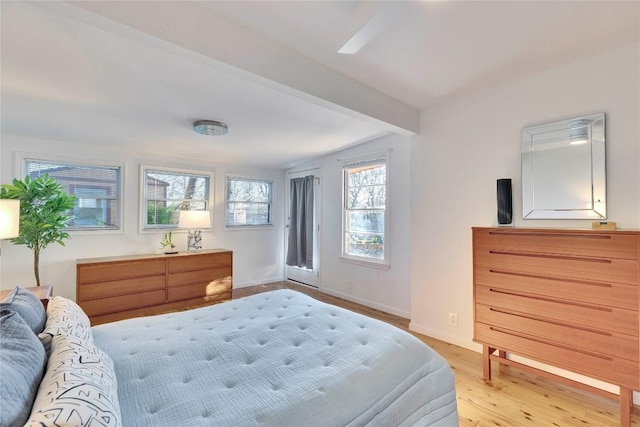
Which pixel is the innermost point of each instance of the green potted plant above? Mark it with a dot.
(167, 245)
(43, 214)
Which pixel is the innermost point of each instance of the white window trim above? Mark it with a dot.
(253, 227)
(142, 211)
(383, 264)
(19, 165)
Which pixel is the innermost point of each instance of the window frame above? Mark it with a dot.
(227, 201)
(143, 201)
(118, 228)
(382, 158)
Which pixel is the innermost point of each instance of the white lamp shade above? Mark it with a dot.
(194, 219)
(9, 218)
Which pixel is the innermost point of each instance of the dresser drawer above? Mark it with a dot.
(200, 262)
(559, 266)
(200, 276)
(215, 290)
(123, 303)
(590, 291)
(592, 316)
(92, 291)
(124, 270)
(587, 243)
(589, 340)
(607, 368)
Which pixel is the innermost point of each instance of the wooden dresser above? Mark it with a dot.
(117, 288)
(566, 298)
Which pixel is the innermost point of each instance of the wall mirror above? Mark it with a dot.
(563, 169)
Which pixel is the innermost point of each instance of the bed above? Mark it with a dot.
(279, 358)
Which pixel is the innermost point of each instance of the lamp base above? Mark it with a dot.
(194, 240)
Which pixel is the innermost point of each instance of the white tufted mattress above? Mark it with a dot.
(280, 359)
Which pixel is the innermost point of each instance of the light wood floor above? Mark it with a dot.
(512, 399)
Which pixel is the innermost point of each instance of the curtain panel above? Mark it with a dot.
(300, 241)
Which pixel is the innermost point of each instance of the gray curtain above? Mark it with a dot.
(300, 252)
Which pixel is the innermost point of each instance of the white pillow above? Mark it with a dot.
(79, 387)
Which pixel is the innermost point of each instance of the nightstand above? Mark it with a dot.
(42, 292)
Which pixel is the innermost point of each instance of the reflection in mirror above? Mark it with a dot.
(563, 169)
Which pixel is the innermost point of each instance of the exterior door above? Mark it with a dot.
(305, 276)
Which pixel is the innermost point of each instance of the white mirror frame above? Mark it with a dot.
(563, 169)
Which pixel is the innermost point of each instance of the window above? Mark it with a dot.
(167, 192)
(364, 211)
(248, 202)
(97, 191)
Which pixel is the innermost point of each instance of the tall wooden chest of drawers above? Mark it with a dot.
(116, 288)
(567, 298)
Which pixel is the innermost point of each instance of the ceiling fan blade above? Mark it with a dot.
(381, 19)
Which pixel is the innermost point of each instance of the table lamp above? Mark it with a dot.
(9, 218)
(194, 221)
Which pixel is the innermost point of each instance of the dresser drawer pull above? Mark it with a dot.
(550, 256)
(548, 342)
(555, 278)
(551, 321)
(561, 235)
(549, 299)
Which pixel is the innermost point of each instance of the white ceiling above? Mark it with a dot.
(137, 74)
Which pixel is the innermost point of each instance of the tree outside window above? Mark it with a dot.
(365, 201)
(169, 192)
(248, 202)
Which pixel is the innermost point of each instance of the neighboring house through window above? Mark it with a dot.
(168, 191)
(365, 219)
(248, 202)
(97, 190)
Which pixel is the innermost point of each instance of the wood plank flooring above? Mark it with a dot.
(512, 399)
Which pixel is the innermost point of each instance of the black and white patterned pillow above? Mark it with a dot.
(79, 387)
(65, 317)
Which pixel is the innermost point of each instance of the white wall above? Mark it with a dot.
(257, 254)
(387, 290)
(469, 142)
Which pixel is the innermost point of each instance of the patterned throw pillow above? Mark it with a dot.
(79, 387)
(22, 361)
(65, 317)
(28, 306)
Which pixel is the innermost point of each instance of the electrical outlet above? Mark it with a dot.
(349, 285)
(453, 319)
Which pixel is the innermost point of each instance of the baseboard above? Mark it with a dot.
(368, 303)
(258, 282)
(451, 339)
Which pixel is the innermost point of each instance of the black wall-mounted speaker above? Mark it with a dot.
(505, 205)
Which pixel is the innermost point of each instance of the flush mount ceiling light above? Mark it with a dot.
(210, 127)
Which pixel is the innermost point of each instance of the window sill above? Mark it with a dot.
(248, 227)
(94, 231)
(365, 263)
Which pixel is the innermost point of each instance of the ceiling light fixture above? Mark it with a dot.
(210, 127)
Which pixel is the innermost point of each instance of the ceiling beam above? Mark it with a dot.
(243, 51)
